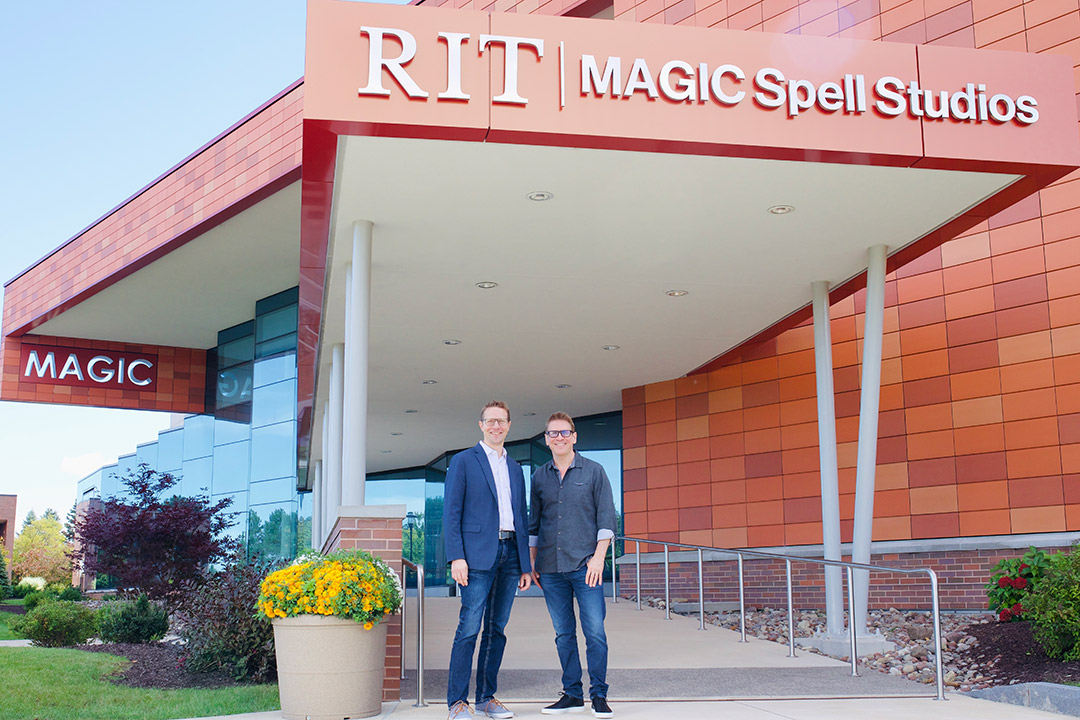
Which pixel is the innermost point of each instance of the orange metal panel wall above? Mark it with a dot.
(258, 150)
(180, 386)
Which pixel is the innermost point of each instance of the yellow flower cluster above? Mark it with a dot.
(352, 584)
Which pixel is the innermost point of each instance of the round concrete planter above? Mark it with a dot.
(329, 668)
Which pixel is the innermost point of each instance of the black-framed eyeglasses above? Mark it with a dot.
(557, 433)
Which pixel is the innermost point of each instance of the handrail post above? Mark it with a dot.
(637, 551)
(742, 603)
(851, 621)
(701, 590)
(937, 634)
(404, 614)
(419, 636)
(614, 586)
(790, 613)
(667, 586)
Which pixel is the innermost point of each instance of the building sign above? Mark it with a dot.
(688, 81)
(80, 367)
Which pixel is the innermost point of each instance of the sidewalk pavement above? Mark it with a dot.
(670, 668)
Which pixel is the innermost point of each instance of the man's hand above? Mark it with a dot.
(594, 570)
(533, 552)
(536, 578)
(525, 581)
(459, 570)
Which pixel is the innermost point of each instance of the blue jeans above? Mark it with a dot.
(488, 597)
(560, 589)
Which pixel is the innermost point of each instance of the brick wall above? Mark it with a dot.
(8, 505)
(961, 577)
(382, 537)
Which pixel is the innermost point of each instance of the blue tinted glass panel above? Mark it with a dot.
(271, 530)
(275, 324)
(285, 343)
(148, 454)
(409, 493)
(196, 476)
(233, 387)
(89, 487)
(273, 451)
(274, 403)
(303, 522)
(109, 484)
(273, 491)
(436, 571)
(170, 450)
(230, 431)
(231, 467)
(238, 511)
(612, 462)
(198, 436)
(275, 369)
(236, 352)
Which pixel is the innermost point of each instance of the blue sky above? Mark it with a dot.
(99, 99)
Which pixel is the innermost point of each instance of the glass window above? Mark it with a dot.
(238, 351)
(274, 403)
(196, 477)
(231, 467)
(273, 451)
(198, 436)
(303, 522)
(285, 343)
(271, 491)
(277, 323)
(275, 369)
(238, 510)
(271, 530)
(233, 390)
(170, 450)
(230, 431)
(147, 453)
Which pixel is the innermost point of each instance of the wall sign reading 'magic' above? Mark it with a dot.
(80, 367)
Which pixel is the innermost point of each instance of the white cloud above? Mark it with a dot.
(82, 465)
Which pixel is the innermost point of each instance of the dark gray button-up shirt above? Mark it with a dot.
(568, 516)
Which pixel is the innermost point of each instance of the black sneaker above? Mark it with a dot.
(600, 708)
(565, 704)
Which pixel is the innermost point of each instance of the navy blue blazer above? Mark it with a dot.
(471, 510)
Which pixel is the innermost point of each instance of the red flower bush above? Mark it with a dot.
(1011, 582)
(1019, 583)
(1005, 582)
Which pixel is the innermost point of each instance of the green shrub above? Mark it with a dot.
(70, 593)
(28, 585)
(37, 597)
(133, 621)
(5, 582)
(218, 623)
(1055, 607)
(57, 624)
(1013, 581)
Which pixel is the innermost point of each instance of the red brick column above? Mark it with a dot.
(377, 529)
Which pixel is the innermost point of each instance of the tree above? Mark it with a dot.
(151, 541)
(5, 581)
(40, 550)
(31, 518)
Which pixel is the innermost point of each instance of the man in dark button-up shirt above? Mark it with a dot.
(571, 524)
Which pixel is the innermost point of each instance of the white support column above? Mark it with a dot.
(830, 488)
(316, 505)
(870, 401)
(325, 474)
(357, 319)
(333, 458)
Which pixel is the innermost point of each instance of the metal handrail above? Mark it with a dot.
(419, 568)
(850, 566)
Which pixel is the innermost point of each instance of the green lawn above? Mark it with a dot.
(47, 684)
(5, 617)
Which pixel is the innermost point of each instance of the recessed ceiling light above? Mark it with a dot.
(677, 293)
(411, 412)
(527, 414)
(387, 451)
(540, 195)
(430, 382)
(487, 285)
(610, 347)
(451, 341)
(563, 386)
(395, 434)
(781, 209)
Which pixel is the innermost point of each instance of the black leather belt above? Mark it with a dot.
(506, 534)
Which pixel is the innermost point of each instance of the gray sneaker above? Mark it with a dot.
(460, 711)
(494, 709)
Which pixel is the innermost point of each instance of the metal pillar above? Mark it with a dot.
(868, 429)
(357, 320)
(830, 488)
(325, 509)
(332, 461)
(317, 505)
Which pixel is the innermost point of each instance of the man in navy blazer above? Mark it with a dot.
(486, 533)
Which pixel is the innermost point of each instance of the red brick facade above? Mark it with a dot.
(8, 505)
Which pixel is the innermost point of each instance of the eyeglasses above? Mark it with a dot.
(501, 422)
(557, 433)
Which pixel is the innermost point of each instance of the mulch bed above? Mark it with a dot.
(158, 665)
(13, 609)
(1010, 654)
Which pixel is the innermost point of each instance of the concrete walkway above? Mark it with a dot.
(670, 669)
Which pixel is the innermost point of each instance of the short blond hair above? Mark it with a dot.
(560, 415)
(494, 404)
